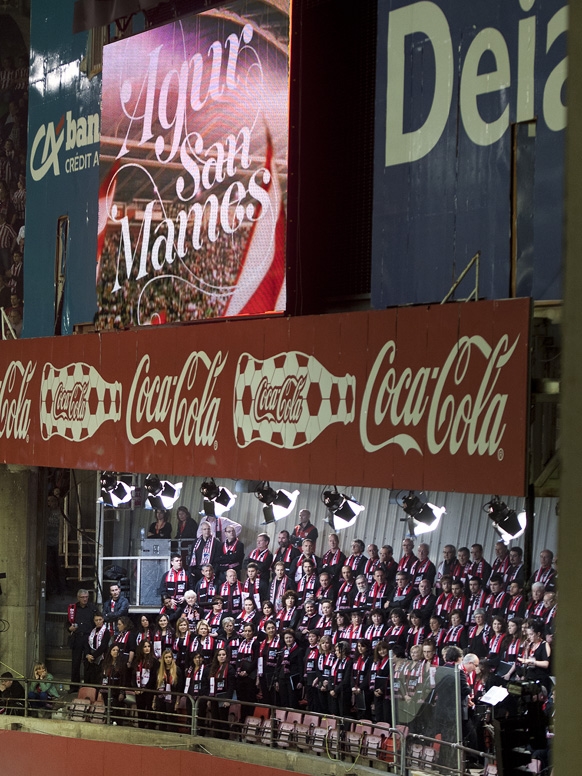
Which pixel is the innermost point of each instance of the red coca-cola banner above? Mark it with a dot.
(429, 398)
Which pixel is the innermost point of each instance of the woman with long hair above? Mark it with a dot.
(361, 694)
(161, 528)
(514, 646)
(497, 641)
(380, 682)
(417, 631)
(197, 685)
(222, 682)
(182, 645)
(340, 696)
(144, 677)
(145, 629)
(169, 681)
(247, 660)
(309, 669)
(267, 663)
(536, 656)
(126, 640)
(112, 672)
(323, 671)
(163, 636)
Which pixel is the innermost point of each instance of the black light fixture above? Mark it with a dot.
(278, 503)
(423, 516)
(162, 494)
(508, 523)
(114, 492)
(217, 500)
(342, 510)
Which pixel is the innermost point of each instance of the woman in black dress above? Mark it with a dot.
(222, 682)
(290, 614)
(126, 639)
(182, 645)
(161, 528)
(246, 666)
(290, 671)
(98, 646)
(536, 658)
(145, 673)
(163, 636)
(112, 672)
(268, 663)
(145, 629)
(197, 685)
(478, 642)
(361, 694)
(380, 682)
(323, 670)
(169, 681)
(340, 693)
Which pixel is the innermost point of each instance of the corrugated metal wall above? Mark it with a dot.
(463, 524)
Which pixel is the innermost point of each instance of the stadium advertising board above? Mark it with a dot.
(193, 172)
(469, 148)
(423, 397)
(62, 176)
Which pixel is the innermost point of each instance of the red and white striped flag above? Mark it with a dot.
(260, 285)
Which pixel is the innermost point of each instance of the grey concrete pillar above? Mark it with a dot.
(22, 559)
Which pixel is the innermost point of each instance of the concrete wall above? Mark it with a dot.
(22, 559)
(22, 752)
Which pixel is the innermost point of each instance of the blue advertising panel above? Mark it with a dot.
(62, 176)
(469, 148)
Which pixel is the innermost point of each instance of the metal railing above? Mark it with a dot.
(363, 742)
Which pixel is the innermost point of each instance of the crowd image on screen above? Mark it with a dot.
(194, 288)
(13, 140)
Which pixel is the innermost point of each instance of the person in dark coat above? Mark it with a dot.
(186, 526)
(290, 671)
(446, 703)
(144, 677)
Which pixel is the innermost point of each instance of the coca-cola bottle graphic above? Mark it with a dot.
(75, 401)
(289, 399)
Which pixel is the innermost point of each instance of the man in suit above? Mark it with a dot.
(446, 703)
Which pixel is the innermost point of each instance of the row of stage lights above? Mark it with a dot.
(342, 510)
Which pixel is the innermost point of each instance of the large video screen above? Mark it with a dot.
(193, 169)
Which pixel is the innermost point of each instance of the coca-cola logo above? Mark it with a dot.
(176, 409)
(71, 404)
(280, 403)
(14, 403)
(455, 420)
